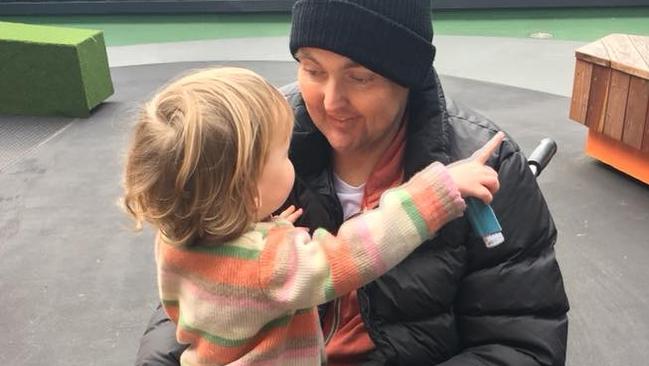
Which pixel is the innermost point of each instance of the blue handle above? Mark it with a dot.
(484, 222)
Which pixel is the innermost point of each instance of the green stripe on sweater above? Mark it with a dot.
(226, 251)
(329, 290)
(226, 342)
(170, 303)
(408, 204)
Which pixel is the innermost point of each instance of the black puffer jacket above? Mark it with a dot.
(453, 301)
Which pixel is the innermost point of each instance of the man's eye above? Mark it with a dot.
(313, 72)
(362, 79)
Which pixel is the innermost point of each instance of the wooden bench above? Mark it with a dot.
(52, 70)
(611, 97)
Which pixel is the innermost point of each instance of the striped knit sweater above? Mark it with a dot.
(252, 301)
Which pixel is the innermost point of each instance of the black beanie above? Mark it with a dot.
(390, 37)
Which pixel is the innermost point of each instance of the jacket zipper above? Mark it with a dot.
(335, 322)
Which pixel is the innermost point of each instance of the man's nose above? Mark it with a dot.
(335, 96)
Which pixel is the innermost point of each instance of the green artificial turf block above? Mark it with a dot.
(52, 70)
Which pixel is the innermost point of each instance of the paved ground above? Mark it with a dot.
(541, 65)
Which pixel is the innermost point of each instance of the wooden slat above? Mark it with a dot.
(624, 56)
(645, 141)
(641, 44)
(636, 112)
(580, 91)
(598, 97)
(595, 53)
(618, 93)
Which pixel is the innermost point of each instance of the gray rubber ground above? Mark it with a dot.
(78, 285)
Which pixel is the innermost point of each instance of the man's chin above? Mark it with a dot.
(343, 149)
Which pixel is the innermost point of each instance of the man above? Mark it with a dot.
(370, 113)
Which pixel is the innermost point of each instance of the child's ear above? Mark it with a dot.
(260, 216)
(258, 199)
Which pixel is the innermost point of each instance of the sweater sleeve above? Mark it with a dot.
(298, 271)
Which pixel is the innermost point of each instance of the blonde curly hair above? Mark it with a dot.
(198, 150)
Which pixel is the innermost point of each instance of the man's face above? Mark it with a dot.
(357, 110)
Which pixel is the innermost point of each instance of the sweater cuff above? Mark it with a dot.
(436, 196)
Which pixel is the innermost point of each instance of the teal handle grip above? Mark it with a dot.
(484, 222)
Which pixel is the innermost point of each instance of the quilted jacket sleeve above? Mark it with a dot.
(503, 320)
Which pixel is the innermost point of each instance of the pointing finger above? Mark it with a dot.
(489, 148)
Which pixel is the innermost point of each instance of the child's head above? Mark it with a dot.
(200, 155)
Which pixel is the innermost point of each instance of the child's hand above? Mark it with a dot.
(472, 177)
(291, 214)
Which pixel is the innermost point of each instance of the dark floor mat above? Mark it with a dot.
(20, 134)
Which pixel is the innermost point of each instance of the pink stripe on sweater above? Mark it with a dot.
(246, 301)
(307, 353)
(291, 267)
(373, 252)
(310, 352)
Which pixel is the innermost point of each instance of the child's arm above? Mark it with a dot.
(298, 271)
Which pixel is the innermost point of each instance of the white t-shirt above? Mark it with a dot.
(350, 197)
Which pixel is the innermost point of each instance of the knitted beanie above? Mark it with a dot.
(390, 37)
